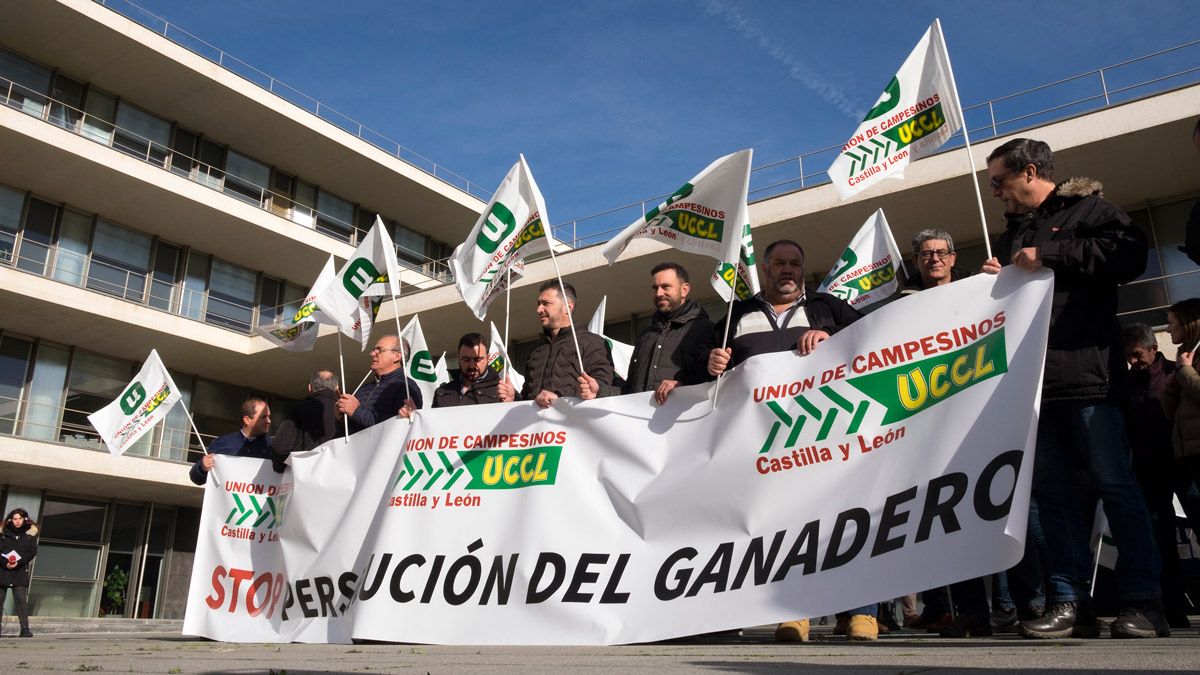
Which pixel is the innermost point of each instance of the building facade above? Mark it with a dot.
(152, 199)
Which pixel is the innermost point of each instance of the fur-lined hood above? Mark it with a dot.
(1079, 186)
(31, 530)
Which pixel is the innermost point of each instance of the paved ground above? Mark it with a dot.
(907, 652)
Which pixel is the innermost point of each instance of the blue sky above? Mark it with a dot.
(612, 102)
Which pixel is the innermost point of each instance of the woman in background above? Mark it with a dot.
(18, 546)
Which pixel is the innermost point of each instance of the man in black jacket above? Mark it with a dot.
(312, 422)
(474, 382)
(552, 369)
(780, 318)
(1091, 248)
(671, 350)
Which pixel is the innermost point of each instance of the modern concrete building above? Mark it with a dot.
(155, 193)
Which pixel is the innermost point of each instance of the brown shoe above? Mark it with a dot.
(911, 620)
(792, 631)
(940, 623)
(863, 627)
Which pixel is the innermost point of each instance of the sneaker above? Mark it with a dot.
(1057, 623)
(1140, 620)
(1004, 620)
(863, 627)
(792, 631)
(967, 625)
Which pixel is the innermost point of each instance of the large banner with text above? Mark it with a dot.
(896, 457)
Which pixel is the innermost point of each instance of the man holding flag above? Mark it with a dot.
(671, 351)
(381, 398)
(250, 440)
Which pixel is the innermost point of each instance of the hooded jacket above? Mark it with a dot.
(671, 348)
(1092, 249)
(23, 541)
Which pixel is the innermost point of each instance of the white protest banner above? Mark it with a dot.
(866, 272)
(740, 279)
(298, 333)
(497, 245)
(345, 301)
(143, 403)
(917, 112)
(498, 357)
(421, 367)
(707, 215)
(897, 456)
(621, 352)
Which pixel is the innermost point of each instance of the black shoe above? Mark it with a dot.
(26, 633)
(1178, 619)
(1087, 624)
(1140, 620)
(1057, 623)
(1004, 620)
(969, 626)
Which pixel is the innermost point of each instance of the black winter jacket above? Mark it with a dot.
(312, 422)
(24, 543)
(553, 365)
(1092, 249)
(823, 311)
(482, 390)
(673, 347)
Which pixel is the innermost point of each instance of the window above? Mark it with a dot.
(142, 135)
(293, 297)
(334, 216)
(197, 158)
(30, 83)
(67, 569)
(245, 178)
(231, 296)
(410, 245)
(163, 277)
(94, 382)
(282, 187)
(74, 238)
(268, 301)
(36, 236)
(14, 364)
(120, 262)
(11, 205)
(195, 284)
(304, 209)
(68, 99)
(100, 110)
(46, 393)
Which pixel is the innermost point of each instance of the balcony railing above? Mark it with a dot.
(243, 189)
(292, 95)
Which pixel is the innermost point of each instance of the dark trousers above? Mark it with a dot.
(21, 599)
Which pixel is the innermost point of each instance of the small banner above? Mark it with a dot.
(299, 332)
(144, 403)
(897, 456)
(498, 357)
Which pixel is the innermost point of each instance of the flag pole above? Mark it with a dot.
(563, 291)
(987, 243)
(342, 370)
(400, 337)
(360, 383)
(199, 438)
(725, 336)
(507, 313)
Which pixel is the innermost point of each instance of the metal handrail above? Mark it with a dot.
(311, 105)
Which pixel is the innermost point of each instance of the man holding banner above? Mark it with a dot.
(381, 398)
(552, 370)
(248, 441)
(670, 352)
(1092, 249)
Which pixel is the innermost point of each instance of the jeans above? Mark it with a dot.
(1093, 434)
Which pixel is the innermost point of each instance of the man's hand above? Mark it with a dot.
(1183, 359)
(664, 390)
(809, 341)
(545, 398)
(718, 361)
(347, 404)
(407, 409)
(506, 391)
(588, 387)
(207, 462)
(990, 266)
(1028, 259)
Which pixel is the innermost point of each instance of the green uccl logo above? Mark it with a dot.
(903, 391)
(887, 101)
(500, 223)
(359, 276)
(484, 469)
(255, 511)
(422, 367)
(132, 398)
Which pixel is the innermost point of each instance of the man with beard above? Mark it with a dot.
(671, 350)
(474, 382)
(780, 318)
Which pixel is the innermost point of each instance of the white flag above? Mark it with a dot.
(443, 372)
(866, 272)
(513, 225)
(917, 112)
(622, 353)
(420, 366)
(298, 333)
(498, 357)
(707, 215)
(345, 300)
(146, 401)
(741, 279)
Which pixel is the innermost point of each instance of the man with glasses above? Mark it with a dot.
(382, 397)
(934, 258)
(474, 382)
(1090, 246)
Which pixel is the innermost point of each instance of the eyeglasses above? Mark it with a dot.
(940, 254)
(376, 350)
(997, 181)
